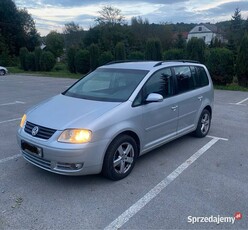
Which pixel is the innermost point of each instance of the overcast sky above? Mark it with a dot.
(54, 14)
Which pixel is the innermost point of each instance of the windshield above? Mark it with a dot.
(114, 85)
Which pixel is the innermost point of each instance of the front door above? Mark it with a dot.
(159, 118)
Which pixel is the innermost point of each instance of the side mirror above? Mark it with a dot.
(154, 97)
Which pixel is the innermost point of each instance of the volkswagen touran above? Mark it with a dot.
(107, 119)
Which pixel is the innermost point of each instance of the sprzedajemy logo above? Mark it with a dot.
(215, 219)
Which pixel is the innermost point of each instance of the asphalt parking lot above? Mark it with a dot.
(189, 183)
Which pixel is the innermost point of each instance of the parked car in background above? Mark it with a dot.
(118, 112)
(3, 71)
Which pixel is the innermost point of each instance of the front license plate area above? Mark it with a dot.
(32, 149)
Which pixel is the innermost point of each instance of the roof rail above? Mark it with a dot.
(135, 60)
(182, 60)
(121, 61)
(159, 63)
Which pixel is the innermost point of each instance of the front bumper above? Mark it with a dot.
(63, 158)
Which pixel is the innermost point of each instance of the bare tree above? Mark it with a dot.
(110, 16)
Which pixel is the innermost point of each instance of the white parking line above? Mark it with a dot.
(135, 208)
(219, 138)
(242, 101)
(15, 119)
(10, 158)
(13, 103)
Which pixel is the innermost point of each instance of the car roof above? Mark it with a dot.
(145, 65)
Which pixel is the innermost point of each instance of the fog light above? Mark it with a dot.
(39, 152)
(78, 166)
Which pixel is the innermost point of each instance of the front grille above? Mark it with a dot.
(43, 133)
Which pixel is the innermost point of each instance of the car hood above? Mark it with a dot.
(62, 112)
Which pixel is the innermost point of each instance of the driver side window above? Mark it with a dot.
(160, 82)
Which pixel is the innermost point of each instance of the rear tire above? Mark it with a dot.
(203, 125)
(120, 158)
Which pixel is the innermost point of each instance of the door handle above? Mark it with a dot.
(174, 108)
(200, 98)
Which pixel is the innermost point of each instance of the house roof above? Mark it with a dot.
(207, 29)
(211, 27)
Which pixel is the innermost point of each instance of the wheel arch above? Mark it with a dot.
(107, 167)
(208, 107)
(131, 134)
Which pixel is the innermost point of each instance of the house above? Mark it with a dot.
(207, 32)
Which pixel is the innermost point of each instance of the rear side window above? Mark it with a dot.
(203, 76)
(190, 77)
(200, 76)
(185, 81)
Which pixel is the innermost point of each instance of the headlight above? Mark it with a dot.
(24, 117)
(75, 136)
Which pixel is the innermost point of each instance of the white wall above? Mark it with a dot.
(207, 37)
(202, 32)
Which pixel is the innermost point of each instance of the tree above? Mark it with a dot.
(31, 36)
(195, 49)
(55, 43)
(17, 28)
(120, 52)
(71, 52)
(106, 57)
(246, 25)
(23, 55)
(30, 61)
(93, 36)
(71, 27)
(94, 56)
(5, 59)
(153, 50)
(174, 54)
(142, 31)
(110, 29)
(237, 27)
(215, 43)
(242, 66)
(37, 55)
(180, 42)
(82, 62)
(136, 55)
(221, 65)
(47, 61)
(110, 16)
(73, 35)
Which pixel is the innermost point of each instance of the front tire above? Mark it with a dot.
(203, 125)
(120, 158)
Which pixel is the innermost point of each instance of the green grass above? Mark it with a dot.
(232, 87)
(56, 72)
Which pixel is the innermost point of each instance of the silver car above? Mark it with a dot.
(118, 112)
(3, 71)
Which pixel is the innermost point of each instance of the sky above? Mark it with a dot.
(54, 14)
